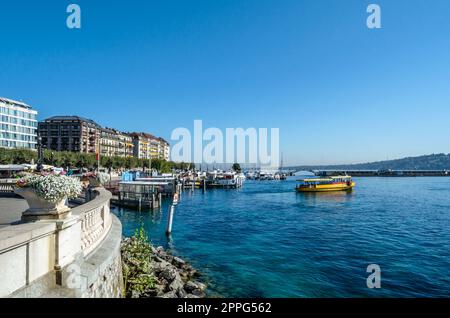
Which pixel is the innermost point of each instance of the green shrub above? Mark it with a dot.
(136, 263)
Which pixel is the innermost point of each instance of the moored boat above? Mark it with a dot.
(337, 183)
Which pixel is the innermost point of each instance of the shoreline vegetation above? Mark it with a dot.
(86, 161)
(151, 272)
(426, 162)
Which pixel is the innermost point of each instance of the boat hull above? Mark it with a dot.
(327, 187)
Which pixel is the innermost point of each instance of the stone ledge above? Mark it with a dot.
(39, 287)
(102, 197)
(21, 234)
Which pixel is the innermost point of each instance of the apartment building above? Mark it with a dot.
(114, 143)
(70, 133)
(18, 125)
(141, 143)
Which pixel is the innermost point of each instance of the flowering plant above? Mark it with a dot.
(52, 187)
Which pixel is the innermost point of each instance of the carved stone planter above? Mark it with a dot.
(40, 209)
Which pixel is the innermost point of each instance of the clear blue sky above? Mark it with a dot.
(339, 92)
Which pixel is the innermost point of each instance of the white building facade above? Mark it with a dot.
(18, 125)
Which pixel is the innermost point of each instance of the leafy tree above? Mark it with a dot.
(82, 160)
(69, 159)
(237, 167)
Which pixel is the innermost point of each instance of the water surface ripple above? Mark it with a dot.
(265, 240)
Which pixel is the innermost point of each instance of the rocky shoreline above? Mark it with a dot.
(153, 272)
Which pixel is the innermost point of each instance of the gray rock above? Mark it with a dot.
(160, 288)
(169, 274)
(193, 273)
(160, 293)
(168, 258)
(160, 252)
(181, 293)
(178, 262)
(177, 283)
(198, 292)
(160, 265)
(190, 286)
(171, 294)
(201, 286)
(165, 284)
(135, 294)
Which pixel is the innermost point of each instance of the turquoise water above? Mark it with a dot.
(266, 240)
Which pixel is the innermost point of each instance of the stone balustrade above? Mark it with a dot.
(7, 186)
(39, 259)
(95, 219)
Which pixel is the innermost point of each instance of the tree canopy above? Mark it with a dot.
(82, 160)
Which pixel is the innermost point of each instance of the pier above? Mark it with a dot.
(143, 192)
(139, 194)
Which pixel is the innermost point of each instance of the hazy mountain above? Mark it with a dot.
(428, 162)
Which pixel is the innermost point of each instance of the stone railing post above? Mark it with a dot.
(67, 244)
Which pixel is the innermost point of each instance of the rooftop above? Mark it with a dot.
(77, 118)
(14, 102)
(143, 135)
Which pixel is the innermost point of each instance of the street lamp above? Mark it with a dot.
(39, 166)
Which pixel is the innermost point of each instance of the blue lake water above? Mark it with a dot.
(266, 240)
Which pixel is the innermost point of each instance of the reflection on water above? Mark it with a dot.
(332, 196)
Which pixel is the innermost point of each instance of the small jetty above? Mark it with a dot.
(137, 190)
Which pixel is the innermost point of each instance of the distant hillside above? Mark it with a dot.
(428, 162)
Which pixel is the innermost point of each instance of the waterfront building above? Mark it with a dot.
(126, 145)
(165, 149)
(141, 143)
(70, 133)
(109, 142)
(18, 125)
(155, 147)
(159, 148)
(78, 134)
(114, 143)
(147, 146)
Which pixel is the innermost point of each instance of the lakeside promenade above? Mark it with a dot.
(11, 210)
(75, 256)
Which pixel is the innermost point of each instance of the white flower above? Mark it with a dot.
(53, 188)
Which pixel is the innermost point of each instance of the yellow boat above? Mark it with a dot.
(338, 183)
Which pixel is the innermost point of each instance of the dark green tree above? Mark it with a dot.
(237, 167)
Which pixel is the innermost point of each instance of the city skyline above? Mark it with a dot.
(339, 92)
